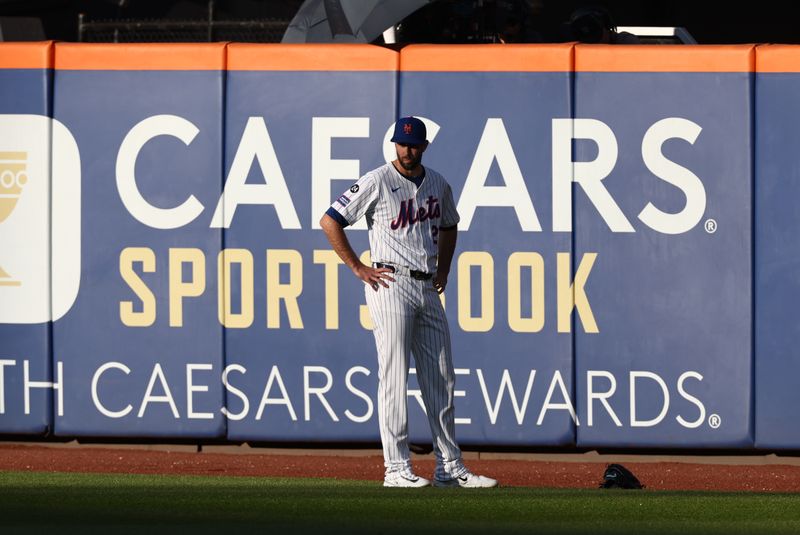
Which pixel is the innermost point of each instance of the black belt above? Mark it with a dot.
(418, 275)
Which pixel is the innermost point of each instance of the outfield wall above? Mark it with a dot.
(624, 277)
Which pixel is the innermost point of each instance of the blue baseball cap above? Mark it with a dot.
(409, 131)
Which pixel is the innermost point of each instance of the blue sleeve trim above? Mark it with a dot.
(337, 216)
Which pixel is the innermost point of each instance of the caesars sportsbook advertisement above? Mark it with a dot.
(163, 273)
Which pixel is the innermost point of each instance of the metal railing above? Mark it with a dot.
(180, 31)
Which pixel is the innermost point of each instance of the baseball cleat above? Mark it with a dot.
(404, 479)
(467, 481)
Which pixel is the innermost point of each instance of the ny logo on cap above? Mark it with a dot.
(407, 128)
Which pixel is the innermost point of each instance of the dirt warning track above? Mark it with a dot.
(760, 474)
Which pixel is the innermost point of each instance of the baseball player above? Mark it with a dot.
(412, 223)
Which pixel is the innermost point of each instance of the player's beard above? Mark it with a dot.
(409, 162)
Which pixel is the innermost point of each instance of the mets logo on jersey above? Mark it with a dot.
(410, 214)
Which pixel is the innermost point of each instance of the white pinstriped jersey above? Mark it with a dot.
(403, 220)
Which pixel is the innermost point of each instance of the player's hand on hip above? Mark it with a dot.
(440, 282)
(374, 276)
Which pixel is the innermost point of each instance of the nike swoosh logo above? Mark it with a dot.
(395, 189)
(414, 480)
(464, 479)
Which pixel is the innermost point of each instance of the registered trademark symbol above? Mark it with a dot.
(711, 226)
(714, 421)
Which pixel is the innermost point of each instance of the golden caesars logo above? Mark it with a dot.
(40, 219)
(13, 177)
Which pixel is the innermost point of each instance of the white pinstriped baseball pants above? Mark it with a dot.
(408, 318)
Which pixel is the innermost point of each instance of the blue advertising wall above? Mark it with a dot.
(777, 224)
(25, 86)
(142, 346)
(302, 124)
(515, 364)
(670, 288)
(613, 286)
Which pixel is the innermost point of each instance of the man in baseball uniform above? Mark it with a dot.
(412, 223)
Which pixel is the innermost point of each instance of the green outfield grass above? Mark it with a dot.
(93, 503)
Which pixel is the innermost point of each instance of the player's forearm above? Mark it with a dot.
(338, 240)
(447, 247)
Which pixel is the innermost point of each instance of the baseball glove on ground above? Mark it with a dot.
(617, 476)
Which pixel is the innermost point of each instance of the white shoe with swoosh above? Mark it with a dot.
(468, 480)
(404, 479)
